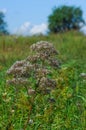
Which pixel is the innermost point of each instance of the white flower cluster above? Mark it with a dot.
(44, 47)
(83, 75)
(46, 85)
(18, 81)
(36, 67)
(44, 52)
(20, 68)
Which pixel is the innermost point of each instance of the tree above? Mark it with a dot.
(3, 24)
(65, 18)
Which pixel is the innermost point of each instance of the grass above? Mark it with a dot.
(68, 112)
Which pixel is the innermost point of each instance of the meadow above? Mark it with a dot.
(68, 111)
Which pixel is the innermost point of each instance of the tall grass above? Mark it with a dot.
(68, 112)
(71, 45)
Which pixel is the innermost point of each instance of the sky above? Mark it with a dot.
(29, 17)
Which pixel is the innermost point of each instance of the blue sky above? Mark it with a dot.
(30, 16)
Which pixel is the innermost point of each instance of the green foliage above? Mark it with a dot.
(40, 112)
(3, 24)
(65, 18)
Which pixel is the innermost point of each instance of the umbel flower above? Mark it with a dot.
(38, 67)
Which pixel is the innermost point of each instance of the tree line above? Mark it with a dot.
(3, 24)
(65, 18)
(61, 19)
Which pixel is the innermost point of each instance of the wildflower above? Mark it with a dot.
(41, 72)
(44, 46)
(83, 75)
(31, 91)
(17, 81)
(12, 111)
(4, 94)
(50, 83)
(7, 100)
(20, 68)
(30, 121)
(34, 58)
(15, 65)
(37, 67)
(55, 63)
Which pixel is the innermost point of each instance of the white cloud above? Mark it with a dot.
(23, 29)
(83, 29)
(37, 29)
(28, 29)
(4, 10)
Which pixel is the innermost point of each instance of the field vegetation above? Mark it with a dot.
(66, 108)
